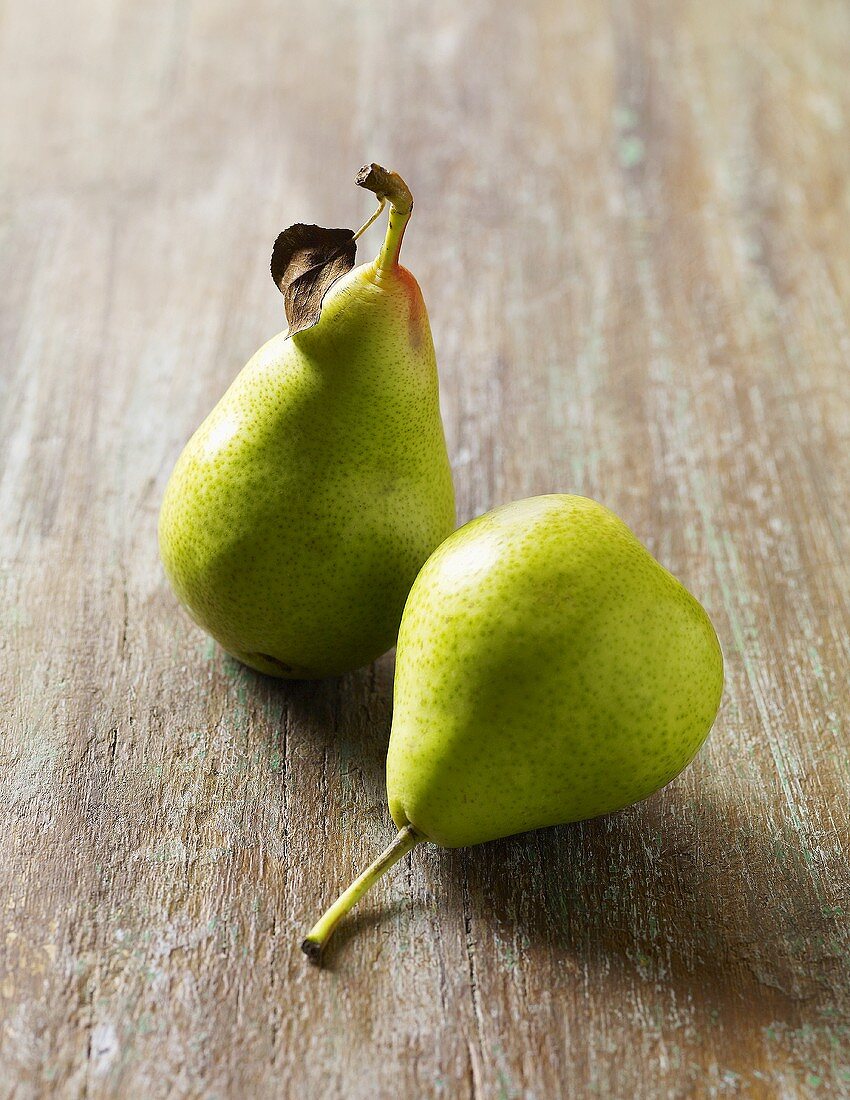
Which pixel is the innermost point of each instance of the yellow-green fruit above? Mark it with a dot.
(548, 669)
(300, 512)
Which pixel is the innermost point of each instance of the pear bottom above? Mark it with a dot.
(271, 666)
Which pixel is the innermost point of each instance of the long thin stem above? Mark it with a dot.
(320, 932)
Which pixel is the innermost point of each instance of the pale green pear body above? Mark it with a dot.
(548, 669)
(300, 512)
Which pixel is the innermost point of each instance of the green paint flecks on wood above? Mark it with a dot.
(631, 150)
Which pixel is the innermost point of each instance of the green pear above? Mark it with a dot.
(301, 510)
(548, 670)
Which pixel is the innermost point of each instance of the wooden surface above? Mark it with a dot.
(632, 235)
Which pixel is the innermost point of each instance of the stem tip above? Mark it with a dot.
(386, 185)
(312, 950)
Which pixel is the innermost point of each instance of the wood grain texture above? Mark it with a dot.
(631, 232)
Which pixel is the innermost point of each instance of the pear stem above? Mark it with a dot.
(388, 185)
(321, 932)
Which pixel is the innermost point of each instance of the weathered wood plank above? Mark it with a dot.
(630, 230)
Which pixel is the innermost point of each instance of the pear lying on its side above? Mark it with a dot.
(300, 512)
(548, 670)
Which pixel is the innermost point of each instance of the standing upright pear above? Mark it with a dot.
(301, 510)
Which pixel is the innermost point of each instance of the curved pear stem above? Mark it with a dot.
(390, 186)
(321, 932)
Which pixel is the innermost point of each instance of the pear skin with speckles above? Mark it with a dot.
(548, 670)
(300, 512)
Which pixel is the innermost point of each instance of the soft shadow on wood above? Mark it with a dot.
(718, 909)
(348, 717)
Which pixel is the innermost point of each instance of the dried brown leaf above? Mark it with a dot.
(306, 261)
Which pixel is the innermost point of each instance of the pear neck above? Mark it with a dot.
(387, 259)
